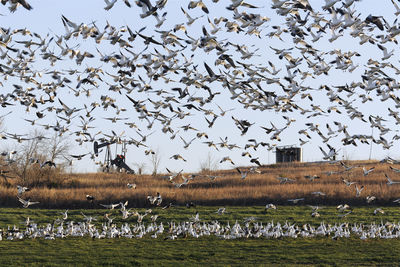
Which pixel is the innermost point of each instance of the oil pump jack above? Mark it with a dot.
(109, 161)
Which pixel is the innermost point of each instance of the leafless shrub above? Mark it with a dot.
(141, 167)
(209, 164)
(37, 161)
(155, 161)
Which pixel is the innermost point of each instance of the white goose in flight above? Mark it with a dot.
(359, 190)
(394, 169)
(330, 155)
(295, 200)
(27, 203)
(347, 182)
(366, 172)
(21, 189)
(386, 54)
(110, 206)
(242, 173)
(390, 181)
(370, 199)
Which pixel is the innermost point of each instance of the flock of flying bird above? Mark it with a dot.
(164, 84)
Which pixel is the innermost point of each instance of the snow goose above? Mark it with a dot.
(27, 203)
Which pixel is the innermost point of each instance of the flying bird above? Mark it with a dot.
(27, 203)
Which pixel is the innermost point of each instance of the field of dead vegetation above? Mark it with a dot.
(227, 188)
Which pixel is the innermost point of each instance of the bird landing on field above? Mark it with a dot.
(332, 153)
(370, 199)
(90, 198)
(296, 200)
(270, 206)
(311, 177)
(379, 210)
(242, 173)
(348, 183)
(390, 181)
(359, 190)
(27, 203)
(221, 211)
(22, 189)
(131, 186)
(366, 172)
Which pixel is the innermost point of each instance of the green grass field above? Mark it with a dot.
(205, 250)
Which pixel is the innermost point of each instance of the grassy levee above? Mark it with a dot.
(194, 252)
(226, 189)
(212, 250)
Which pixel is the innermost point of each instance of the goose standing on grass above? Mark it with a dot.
(270, 207)
(221, 211)
(379, 210)
(64, 215)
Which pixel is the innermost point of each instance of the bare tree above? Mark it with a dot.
(58, 147)
(29, 152)
(155, 161)
(210, 163)
(34, 163)
(140, 167)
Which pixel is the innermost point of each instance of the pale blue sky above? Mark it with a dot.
(46, 18)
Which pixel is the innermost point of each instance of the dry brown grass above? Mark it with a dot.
(227, 189)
